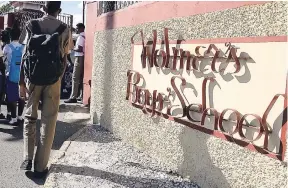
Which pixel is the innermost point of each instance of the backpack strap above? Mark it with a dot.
(16, 48)
(62, 27)
(11, 47)
(21, 47)
(35, 27)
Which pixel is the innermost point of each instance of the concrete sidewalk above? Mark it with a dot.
(94, 158)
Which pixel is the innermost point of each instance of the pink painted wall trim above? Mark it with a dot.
(157, 11)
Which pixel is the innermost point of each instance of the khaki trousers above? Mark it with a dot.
(78, 72)
(50, 96)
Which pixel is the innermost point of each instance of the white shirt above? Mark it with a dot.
(80, 42)
(8, 54)
(1, 54)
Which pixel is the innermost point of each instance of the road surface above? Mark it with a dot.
(11, 151)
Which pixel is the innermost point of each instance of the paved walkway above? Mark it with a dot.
(91, 158)
(11, 146)
(94, 158)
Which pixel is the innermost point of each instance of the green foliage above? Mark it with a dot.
(6, 8)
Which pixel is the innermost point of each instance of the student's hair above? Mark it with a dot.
(8, 29)
(52, 6)
(5, 36)
(81, 25)
(15, 33)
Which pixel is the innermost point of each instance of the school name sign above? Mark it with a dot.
(234, 91)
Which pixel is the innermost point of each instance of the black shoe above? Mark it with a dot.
(2, 116)
(40, 175)
(71, 101)
(8, 117)
(20, 121)
(79, 99)
(26, 165)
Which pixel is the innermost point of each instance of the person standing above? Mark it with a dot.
(78, 70)
(2, 81)
(13, 54)
(47, 42)
(6, 39)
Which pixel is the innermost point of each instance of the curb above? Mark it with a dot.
(61, 152)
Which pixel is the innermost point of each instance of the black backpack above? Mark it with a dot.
(43, 63)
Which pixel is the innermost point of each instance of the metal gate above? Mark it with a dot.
(23, 16)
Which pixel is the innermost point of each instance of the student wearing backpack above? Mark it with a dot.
(5, 37)
(13, 54)
(47, 42)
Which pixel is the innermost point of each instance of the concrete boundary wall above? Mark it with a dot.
(207, 160)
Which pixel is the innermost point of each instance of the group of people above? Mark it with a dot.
(32, 64)
(10, 59)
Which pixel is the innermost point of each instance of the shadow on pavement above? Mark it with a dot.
(63, 131)
(127, 181)
(96, 133)
(30, 175)
(16, 132)
(75, 108)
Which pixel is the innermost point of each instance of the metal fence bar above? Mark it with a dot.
(66, 18)
(109, 6)
(23, 16)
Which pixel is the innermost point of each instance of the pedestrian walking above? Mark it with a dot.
(78, 70)
(46, 47)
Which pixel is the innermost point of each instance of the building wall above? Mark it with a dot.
(27, 5)
(8, 20)
(30, 6)
(91, 9)
(1, 22)
(205, 159)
